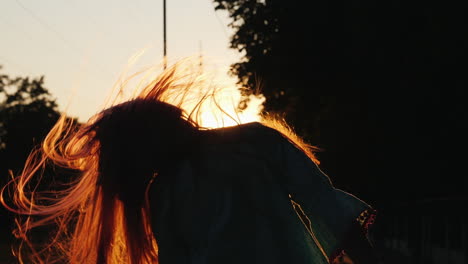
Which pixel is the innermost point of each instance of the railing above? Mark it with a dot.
(426, 232)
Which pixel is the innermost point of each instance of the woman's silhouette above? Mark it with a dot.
(154, 186)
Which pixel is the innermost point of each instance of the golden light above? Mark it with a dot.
(208, 95)
(220, 107)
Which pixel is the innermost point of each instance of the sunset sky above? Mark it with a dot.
(82, 47)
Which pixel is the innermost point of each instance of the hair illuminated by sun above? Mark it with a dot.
(102, 214)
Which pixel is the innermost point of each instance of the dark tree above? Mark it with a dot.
(282, 43)
(379, 86)
(27, 113)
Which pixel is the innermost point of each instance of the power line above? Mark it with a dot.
(219, 20)
(47, 26)
(57, 34)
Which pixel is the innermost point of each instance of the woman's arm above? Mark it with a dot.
(335, 217)
(358, 247)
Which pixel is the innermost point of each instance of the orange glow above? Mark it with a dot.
(95, 224)
(220, 109)
(209, 97)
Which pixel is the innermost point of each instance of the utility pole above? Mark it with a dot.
(200, 64)
(164, 34)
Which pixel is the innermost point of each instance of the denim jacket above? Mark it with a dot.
(248, 195)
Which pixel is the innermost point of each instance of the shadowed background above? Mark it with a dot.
(380, 87)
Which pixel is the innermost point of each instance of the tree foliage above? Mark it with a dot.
(289, 53)
(27, 112)
(373, 84)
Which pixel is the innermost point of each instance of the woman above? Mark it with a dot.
(154, 186)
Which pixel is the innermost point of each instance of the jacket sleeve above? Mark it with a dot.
(333, 218)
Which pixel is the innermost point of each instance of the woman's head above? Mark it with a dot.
(138, 139)
(102, 214)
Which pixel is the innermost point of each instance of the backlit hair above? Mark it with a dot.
(102, 214)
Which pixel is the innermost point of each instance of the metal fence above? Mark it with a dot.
(425, 232)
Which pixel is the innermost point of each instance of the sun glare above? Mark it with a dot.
(221, 109)
(208, 95)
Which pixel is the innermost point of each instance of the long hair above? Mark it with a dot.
(102, 215)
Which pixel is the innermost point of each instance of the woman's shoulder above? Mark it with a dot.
(255, 131)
